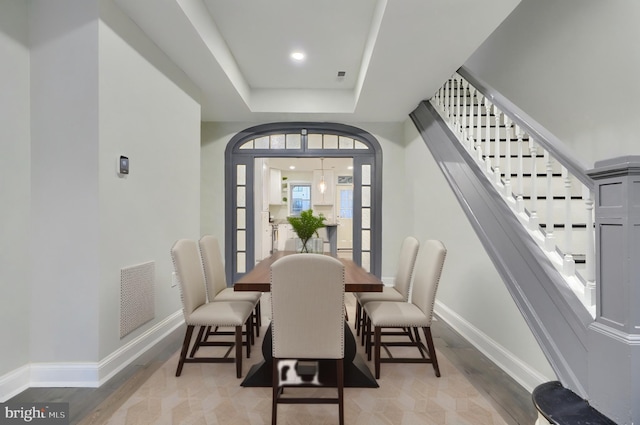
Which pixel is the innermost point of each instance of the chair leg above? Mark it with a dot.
(365, 318)
(249, 332)
(340, 381)
(432, 349)
(185, 348)
(363, 336)
(202, 337)
(358, 318)
(258, 311)
(367, 330)
(378, 337)
(239, 351)
(275, 384)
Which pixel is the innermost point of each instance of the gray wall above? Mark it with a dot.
(15, 181)
(82, 85)
(64, 193)
(571, 66)
(145, 114)
(471, 297)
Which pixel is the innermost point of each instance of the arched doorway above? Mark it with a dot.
(302, 140)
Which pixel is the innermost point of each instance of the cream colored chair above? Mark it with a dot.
(410, 315)
(399, 291)
(307, 298)
(198, 312)
(216, 282)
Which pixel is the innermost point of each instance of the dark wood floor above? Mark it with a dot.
(507, 396)
(510, 399)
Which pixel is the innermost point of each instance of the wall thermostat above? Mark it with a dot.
(123, 165)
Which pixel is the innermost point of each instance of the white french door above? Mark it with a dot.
(344, 210)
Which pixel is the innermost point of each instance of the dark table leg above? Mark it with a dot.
(356, 371)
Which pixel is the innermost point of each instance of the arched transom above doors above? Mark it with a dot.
(301, 140)
(295, 141)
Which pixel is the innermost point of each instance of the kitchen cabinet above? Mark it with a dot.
(261, 184)
(266, 236)
(275, 187)
(326, 198)
(285, 231)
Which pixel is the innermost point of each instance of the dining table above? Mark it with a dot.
(357, 279)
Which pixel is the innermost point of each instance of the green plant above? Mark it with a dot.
(306, 225)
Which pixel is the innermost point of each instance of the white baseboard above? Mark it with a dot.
(14, 382)
(524, 374)
(86, 374)
(122, 357)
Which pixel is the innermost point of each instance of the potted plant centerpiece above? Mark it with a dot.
(306, 226)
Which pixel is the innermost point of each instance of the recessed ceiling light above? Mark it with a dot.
(297, 56)
(292, 167)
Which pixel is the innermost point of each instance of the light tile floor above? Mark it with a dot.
(210, 394)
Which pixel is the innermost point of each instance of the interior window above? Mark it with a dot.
(300, 197)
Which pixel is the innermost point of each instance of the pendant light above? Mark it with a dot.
(322, 185)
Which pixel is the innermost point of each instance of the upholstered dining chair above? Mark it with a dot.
(307, 298)
(410, 315)
(198, 312)
(216, 281)
(400, 289)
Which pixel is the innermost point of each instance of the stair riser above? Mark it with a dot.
(557, 187)
(578, 240)
(491, 120)
(527, 165)
(558, 213)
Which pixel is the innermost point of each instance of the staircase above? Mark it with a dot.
(549, 193)
(532, 206)
(501, 169)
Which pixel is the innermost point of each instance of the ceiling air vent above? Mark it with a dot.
(341, 74)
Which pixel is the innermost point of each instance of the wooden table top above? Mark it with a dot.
(356, 279)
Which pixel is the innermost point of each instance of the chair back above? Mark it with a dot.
(406, 264)
(307, 307)
(213, 266)
(188, 268)
(427, 275)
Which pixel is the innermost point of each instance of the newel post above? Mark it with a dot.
(614, 337)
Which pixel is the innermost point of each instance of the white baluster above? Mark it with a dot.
(507, 171)
(472, 106)
(496, 147)
(590, 254)
(460, 100)
(439, 97)
(456, 104)
(487, 137)
(445, 100)
(569, 265)
(520, 196)
(465, 137)
(533, 214)
(478, 137)
(550, 238)
(452, 108)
